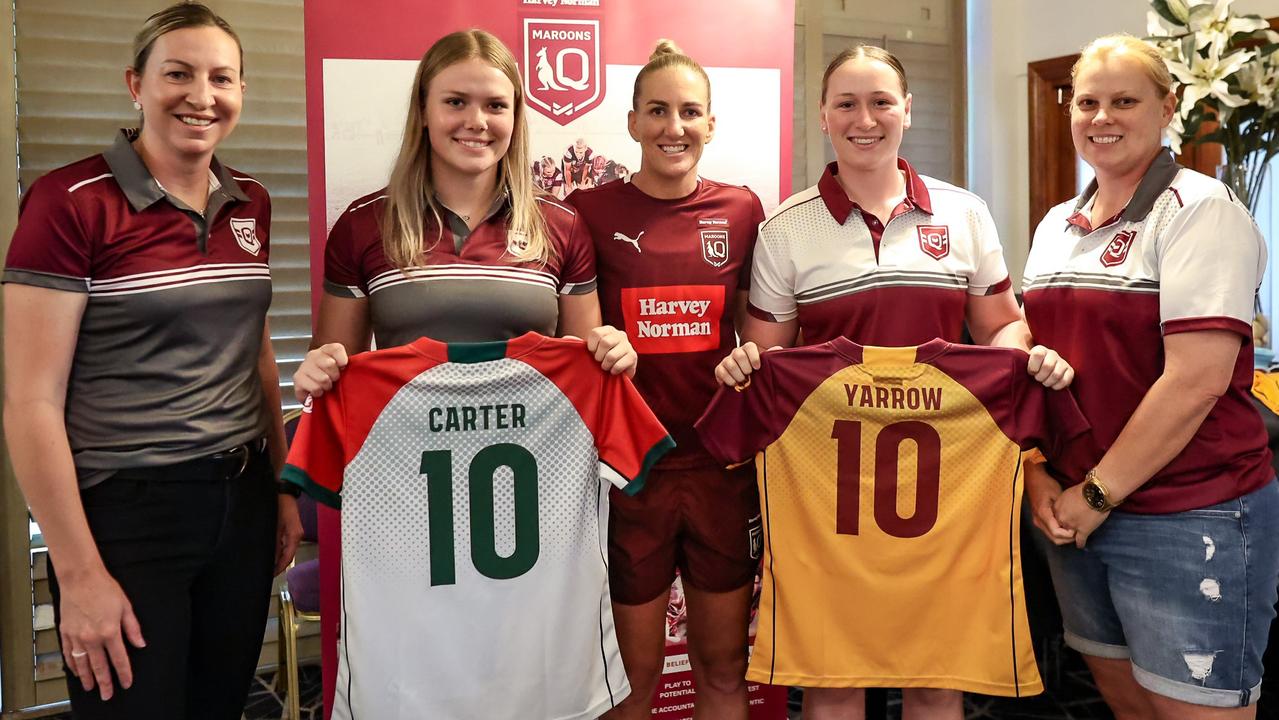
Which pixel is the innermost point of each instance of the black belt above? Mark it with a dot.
(220, 466)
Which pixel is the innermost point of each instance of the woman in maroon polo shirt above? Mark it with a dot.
(459, 246)
(142, 390)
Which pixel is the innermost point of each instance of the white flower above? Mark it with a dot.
(1174, 131)
(1206, 76)
(1157, 26)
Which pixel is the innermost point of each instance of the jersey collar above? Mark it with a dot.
(142, 189)
(841, 207)
(1158, 178)
(478, 352)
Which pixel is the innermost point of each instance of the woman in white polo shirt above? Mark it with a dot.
(883, 256)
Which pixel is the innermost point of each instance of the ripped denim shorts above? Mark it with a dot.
(1187, 596)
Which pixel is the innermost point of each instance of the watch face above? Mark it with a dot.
(1094, 496)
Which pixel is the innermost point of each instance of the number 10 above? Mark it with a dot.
(848, 487)
(437, 466)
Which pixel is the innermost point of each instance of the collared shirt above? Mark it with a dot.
(165, 365)
(902, 284)
(471, 287)
(1183, 256)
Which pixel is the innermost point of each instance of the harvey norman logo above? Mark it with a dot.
(680, 318)
(563, 69)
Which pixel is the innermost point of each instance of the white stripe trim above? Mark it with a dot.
(82, 183)
(252, 180)
(462, 271)
(810, 296)
(570, 287)
(410, 280)
(113, 293)
(549, 201)
(107, 282)
(1085, 285)
(95, 288)
(370, 202)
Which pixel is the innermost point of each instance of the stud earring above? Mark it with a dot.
(137, 105)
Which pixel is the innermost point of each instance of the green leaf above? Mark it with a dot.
(1188, 49)
(1161, 7)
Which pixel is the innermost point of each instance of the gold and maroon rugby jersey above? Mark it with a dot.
(669, 273)
(471, 288)
(1183, 256)
(842, 273)
(165, 365)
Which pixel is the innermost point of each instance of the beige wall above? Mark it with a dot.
(1005, 36)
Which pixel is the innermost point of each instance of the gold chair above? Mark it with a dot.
(303, 581)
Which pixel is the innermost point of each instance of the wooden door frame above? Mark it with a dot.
(1052, 172)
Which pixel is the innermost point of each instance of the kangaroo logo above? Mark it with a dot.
(563, 67)
(630, 240)
(546, 76)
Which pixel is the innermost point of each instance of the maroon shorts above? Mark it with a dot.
(704, 521)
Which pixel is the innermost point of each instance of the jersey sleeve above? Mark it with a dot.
(577, 266)
(629, 437)
(772, 294)
(991, 274)
(756, 217)
(317, 461)
(342, 266)
(1211, 259)
(1045, 419)
(51, 247)
(735, 424)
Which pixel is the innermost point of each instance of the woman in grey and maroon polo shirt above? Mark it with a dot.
(142, 394)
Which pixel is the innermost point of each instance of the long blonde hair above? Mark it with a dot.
(411, 190)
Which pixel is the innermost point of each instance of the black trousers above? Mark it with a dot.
(194, 556)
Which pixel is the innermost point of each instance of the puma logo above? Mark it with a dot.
(633, 241)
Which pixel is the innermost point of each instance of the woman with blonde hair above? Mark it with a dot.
(881, 255)
(459, 246)
(670, 238)
(1164, 545)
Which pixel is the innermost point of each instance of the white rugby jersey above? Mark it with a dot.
(1184, 255)
(473, 481)
(904, 283)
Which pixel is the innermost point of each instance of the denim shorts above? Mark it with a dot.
(1187, 596)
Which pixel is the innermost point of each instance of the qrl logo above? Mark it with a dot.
(245, 231)
(563, 75)
(1117, 251)
(934, 240)
(715, 247)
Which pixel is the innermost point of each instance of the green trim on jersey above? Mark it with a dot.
(298, 476)
(650, 459)
(476, 352)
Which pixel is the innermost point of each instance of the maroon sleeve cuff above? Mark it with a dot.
(762, 314)
(1234, 325)
(999, 287)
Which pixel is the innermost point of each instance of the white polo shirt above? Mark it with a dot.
(904, 283)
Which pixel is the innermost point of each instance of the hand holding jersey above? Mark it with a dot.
(323, 365)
